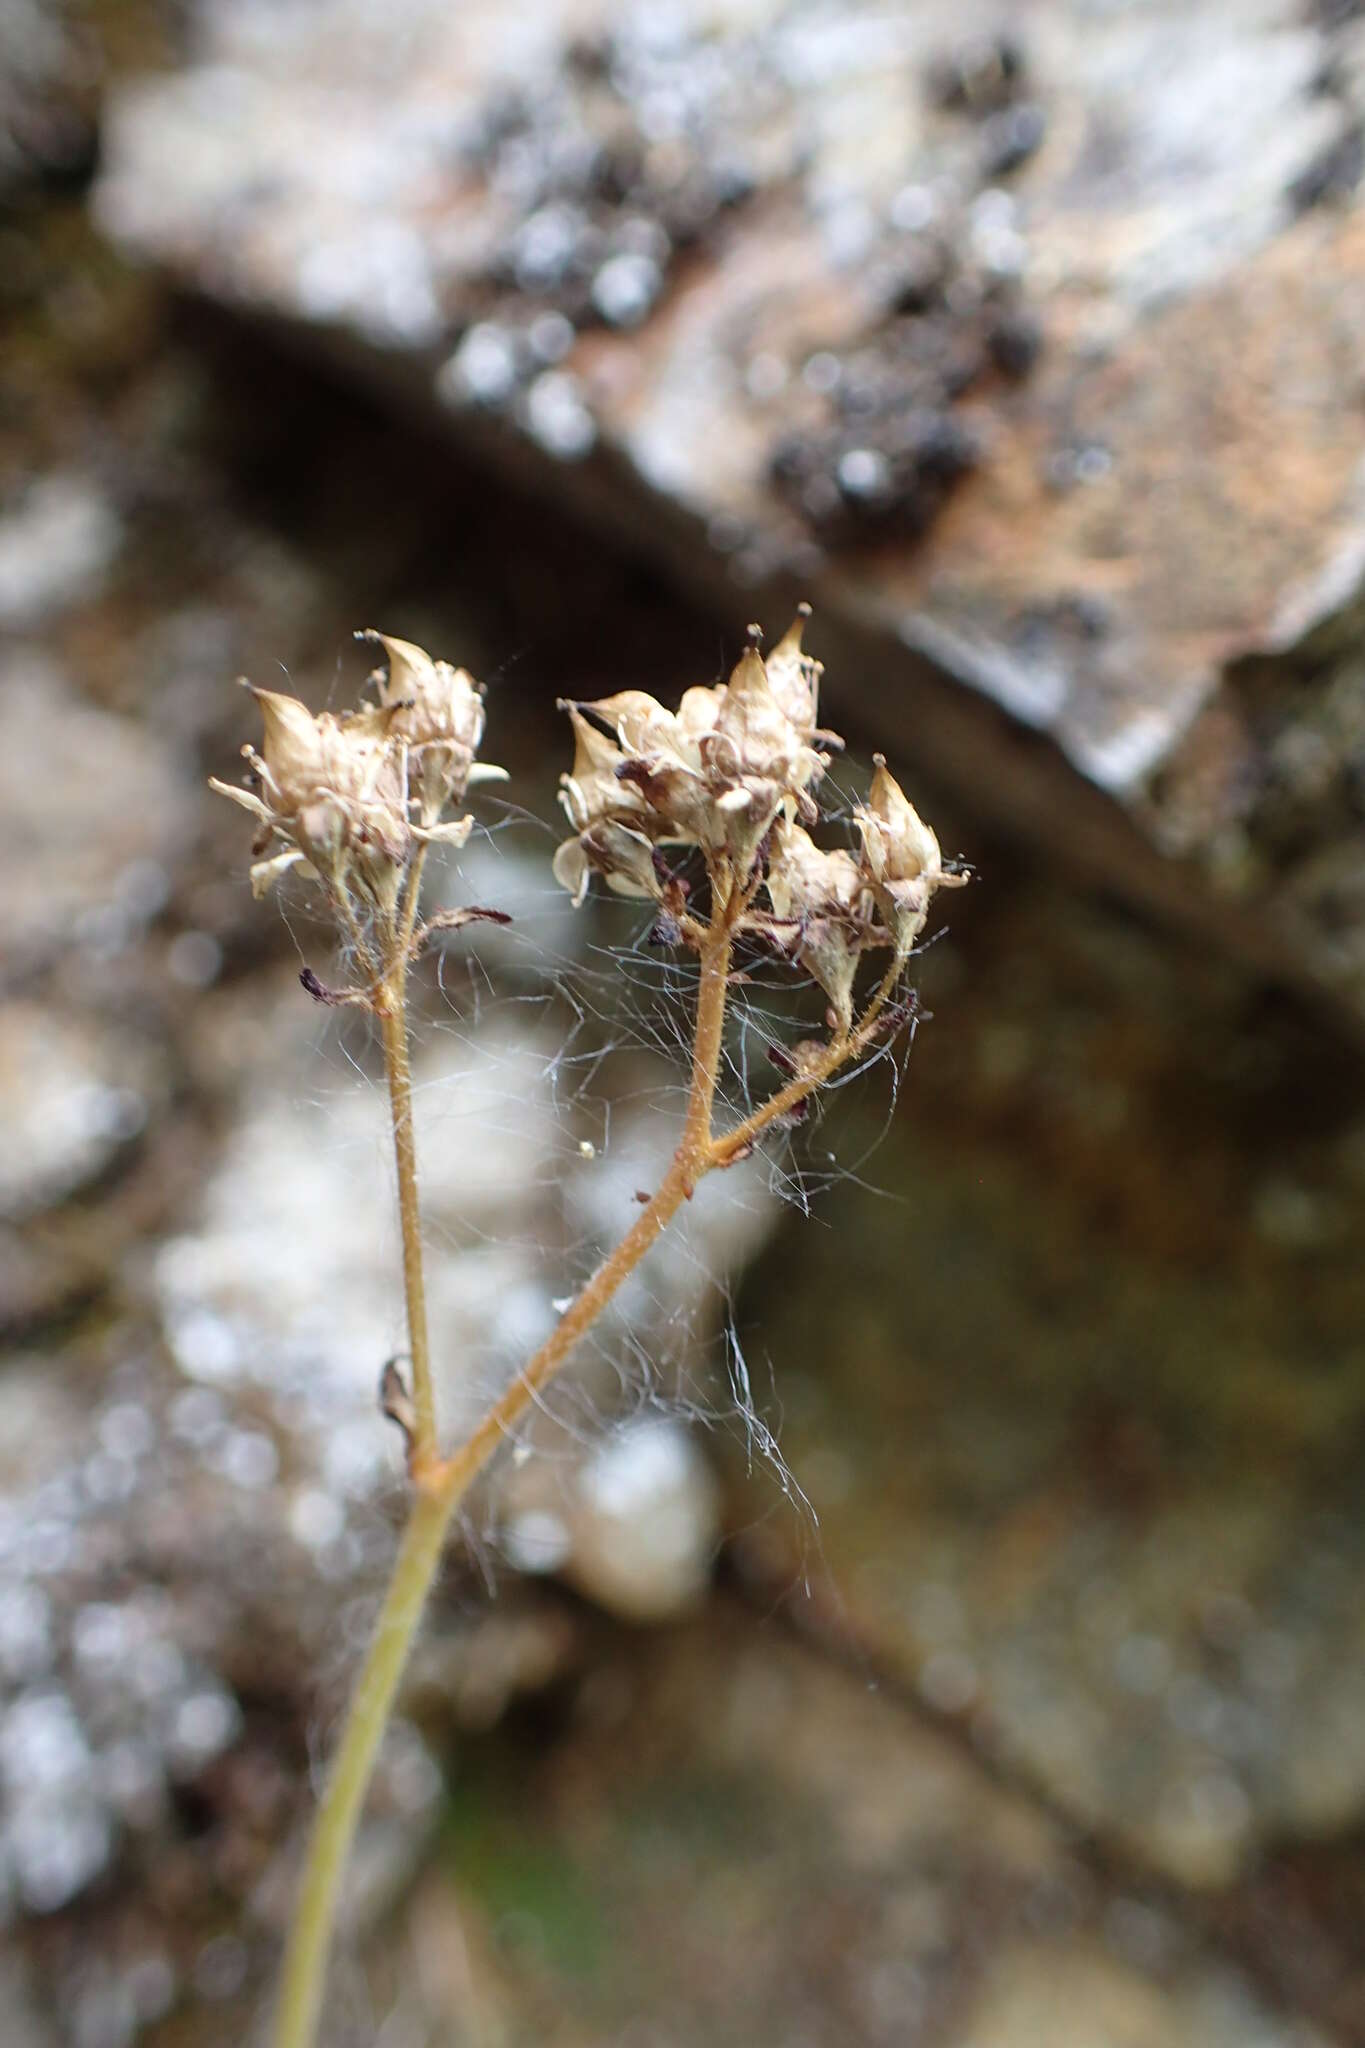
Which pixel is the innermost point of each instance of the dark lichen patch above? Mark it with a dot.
(890, 424)
(1333, 171)
(602, 182)
(979, 76)
(887, 424)
(1297, 808)
(987, 79)
(1332, 176)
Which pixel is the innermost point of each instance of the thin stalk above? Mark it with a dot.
(310, 1936)
(393, 1018)
(440, 1484)
(464, 1465)
(341, 897)
(706, 1047)
(403, 947)
(848, 1046)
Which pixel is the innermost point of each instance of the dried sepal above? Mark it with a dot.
(453, 921)
(247, 798)
(437, 711)
(265, 873)
(622, 857)
(823, 896)
(794, 677)
(900, 856)
(591, 790)
(454, 832)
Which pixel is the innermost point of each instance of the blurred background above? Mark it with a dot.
(932, 1614)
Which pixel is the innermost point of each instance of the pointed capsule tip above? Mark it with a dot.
(803, 610)
(755, 633)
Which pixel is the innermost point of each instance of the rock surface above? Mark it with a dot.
(803, 1864)
(1083, 1476)
(1032, 356)
(1075, 1752)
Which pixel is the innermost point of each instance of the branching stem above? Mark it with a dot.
(440, 1484)
(848, 1045)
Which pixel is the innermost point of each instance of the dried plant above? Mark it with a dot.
(706, 813)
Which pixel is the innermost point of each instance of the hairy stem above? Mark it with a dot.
(706, 1048)
(849, 1045)
(465, 1464)
(441, 1484)
(393, 1017)
(403, 945)
(690, 1162)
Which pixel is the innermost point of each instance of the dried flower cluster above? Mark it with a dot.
(349, 800)
(734, 772)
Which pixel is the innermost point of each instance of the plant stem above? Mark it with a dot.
(706, 1048)
(440, 1484)
(393, 1017)
(691, 1160)
(848, 1046)
(464, 1465)
(334, 1828)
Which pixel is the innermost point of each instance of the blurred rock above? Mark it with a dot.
(95, 809)
(47, 85)
(40, 1280)
(72, 1098)
(1080, 1437)
(635, 1525)
(1075, 1995)
(25, 2026)
(1040, 392)
(55, 549)
(783, 1855)
(171, 1601)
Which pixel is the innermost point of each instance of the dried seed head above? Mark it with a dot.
(900, 857)
(349, 799)
(734, 772)
(714, 774)
(438, 711)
